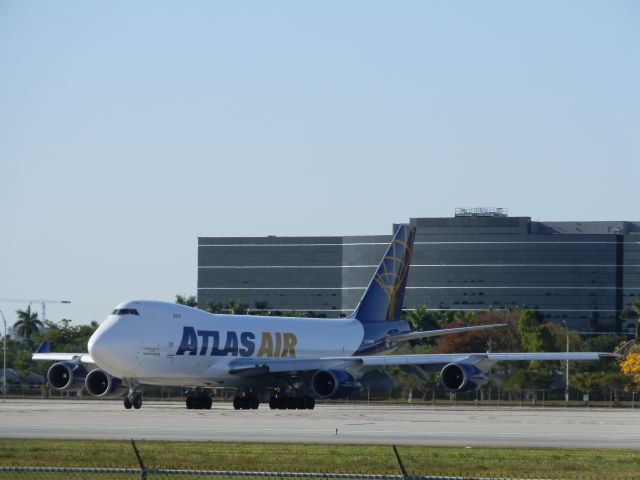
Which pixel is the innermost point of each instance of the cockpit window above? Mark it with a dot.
(125, 311)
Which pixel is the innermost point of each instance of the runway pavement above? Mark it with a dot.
(373, 424)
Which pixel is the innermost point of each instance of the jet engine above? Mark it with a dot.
(66, 376)
(333, 384)
(100, 384)
(462, 377)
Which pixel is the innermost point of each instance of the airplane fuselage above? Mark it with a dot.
(171, 344)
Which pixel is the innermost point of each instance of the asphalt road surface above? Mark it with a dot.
(373, 424)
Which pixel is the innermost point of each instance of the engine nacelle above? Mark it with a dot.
(333, 384)
(100, 384)
(66, 376)
(462, 377)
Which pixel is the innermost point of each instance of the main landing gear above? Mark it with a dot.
(198, 400)
(133, 399)
(248, 402)
(292, 403)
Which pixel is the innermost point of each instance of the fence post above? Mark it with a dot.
(143, 471)
(404, 472)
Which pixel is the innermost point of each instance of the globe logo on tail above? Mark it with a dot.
(392, 274)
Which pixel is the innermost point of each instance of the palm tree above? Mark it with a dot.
(213, 307)
(237, 308)
(420, 319)
(189, 301)
(27, 324)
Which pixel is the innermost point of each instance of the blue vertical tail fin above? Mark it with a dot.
(384, 296)
(44, 347)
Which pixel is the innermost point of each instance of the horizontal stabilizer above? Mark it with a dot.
(403, 337)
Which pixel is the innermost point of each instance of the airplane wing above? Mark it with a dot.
(403, 337)
(250, 367)
(63, 357)
(45, 354)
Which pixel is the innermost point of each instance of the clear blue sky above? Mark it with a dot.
(127, 129)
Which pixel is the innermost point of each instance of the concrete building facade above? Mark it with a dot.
(584, 273)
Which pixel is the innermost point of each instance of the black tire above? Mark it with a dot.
(208, 402)
(137, 402)
(311, 403)
(127, 403)
(189, 402)
(273, 403)
(237, 403)
(255, 402)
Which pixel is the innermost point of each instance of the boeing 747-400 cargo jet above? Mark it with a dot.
(295, 359)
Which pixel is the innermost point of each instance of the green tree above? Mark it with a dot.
(189, 301)
(422, 319)
(213, 307)
(534, 335)
(599, 343)
(28, 323)
(235, 307)
(261, 305)
(22, 362)
(586, 382)
(559, 334)
(528, 379)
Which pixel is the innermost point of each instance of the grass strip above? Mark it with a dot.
(376, 459)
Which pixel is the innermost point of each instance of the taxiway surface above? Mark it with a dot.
(373, 424)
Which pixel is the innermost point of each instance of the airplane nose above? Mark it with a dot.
(99, 344)
(96, 345)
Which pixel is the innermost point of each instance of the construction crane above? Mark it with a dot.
(41, 301)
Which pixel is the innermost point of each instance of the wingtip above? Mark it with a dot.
(623, 351)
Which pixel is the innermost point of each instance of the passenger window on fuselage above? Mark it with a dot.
(125, 311)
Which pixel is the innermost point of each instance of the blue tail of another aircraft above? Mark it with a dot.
(384, 296)
(45, 347)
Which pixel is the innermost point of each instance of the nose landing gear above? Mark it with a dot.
(133, 399)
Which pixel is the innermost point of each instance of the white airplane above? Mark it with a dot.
(295, 359)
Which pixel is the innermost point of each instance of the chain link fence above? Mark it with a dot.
(44, 473)
(356, 462)
(52, 473)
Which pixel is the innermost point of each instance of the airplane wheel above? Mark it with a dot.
(137, 402)
(127, 403)
(311, 403)
(273, 403)
(237, 403)
(254, 402)
(208, 402)
(189, 402)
